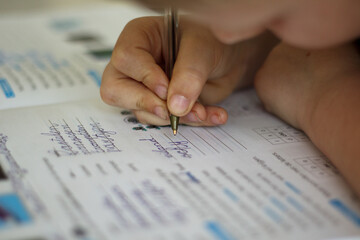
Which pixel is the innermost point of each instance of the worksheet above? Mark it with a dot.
(58, 56)
(85, 170)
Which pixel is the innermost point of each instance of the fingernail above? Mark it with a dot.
(161, 91)
(215, 119)
(161, 112)
(192, 117)
(179, 104)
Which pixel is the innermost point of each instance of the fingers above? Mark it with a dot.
(198, 56)
(135, 80)
(147, 107)
(138, 53)
(119, 90)
(207, 116)
(198, 116)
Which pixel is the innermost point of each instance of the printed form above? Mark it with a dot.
(72, 167)
(84, 170)
(59, 55)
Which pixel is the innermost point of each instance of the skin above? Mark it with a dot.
(318, 91)
(301, 23)
(206, 72)
(310, 79)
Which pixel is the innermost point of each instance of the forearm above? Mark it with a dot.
(334, 125)
(318, 92)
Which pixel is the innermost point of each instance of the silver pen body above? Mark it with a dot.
(171, 45)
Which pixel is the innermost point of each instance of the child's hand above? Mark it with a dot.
(206, 72)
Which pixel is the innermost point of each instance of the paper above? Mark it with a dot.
(89, 168)
(58, 56)
(84, 170)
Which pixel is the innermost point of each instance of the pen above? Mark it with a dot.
(171, 48)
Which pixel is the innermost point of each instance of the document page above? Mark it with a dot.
(85, 170)
(58, 56)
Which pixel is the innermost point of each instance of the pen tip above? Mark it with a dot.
(175, 132)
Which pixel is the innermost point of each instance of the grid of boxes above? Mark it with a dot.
(281, 134)
(318, 166)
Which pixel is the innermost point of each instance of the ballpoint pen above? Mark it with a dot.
(171, 48)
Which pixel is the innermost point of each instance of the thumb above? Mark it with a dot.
(196, 60)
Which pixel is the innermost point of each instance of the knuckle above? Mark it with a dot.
(140, 103)
(195, 75)
(120, 58)
(148, 75)
(195, 78)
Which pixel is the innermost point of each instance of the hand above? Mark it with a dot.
(206, 72)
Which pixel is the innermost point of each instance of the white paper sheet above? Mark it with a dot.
(83, 168)
(59, 55)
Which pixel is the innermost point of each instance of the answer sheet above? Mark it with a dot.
(72, 167)
(84, 170)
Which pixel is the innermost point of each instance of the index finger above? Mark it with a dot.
(138, 54)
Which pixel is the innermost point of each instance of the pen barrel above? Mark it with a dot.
(171, 41)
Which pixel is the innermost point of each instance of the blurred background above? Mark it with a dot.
(8, 6)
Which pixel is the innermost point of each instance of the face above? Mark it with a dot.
(303, 23)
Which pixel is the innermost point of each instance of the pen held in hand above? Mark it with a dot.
(170, 49)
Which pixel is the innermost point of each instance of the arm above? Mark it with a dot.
(334, 125)
(318, 92)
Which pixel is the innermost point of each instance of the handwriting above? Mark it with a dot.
(159, 148)
(83, 132)
(181, 147)
(104, 136)
(56, 137)
(75, 140)
(80, 140)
